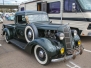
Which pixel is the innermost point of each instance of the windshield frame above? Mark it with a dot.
(39, 21)
(83, 9)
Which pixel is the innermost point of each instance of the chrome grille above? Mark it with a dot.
(67, 40)
(67, 37)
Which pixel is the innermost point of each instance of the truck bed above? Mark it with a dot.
(9, 25)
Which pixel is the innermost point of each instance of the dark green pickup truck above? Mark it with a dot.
(49, 42)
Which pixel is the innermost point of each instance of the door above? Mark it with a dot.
(44, 6)
(20, 27)
(73, 15)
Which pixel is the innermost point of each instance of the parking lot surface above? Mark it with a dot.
(13, 57)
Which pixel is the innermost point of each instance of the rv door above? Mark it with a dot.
(44, 6)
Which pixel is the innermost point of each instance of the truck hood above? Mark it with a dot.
(49, 26)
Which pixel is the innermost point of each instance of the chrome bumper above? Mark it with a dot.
(68, 57)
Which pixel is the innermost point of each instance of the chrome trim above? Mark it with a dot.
(41, 54)
(77, 51)
(67, 34)
(65, 58)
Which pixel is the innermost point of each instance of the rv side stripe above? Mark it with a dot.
(73, 19)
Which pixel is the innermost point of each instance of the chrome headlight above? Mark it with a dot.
(75, 32)
(61, 36)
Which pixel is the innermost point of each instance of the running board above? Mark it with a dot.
(18, 43)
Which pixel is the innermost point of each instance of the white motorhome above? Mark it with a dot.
(76, 13)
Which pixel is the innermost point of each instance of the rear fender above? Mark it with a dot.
(43, 42)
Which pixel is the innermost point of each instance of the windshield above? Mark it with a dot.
(85, 4)
(38, 18)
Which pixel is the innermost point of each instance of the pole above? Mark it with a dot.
(3, 2)
(16, 2)
(61, 13)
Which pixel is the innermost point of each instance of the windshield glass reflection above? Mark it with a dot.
(85, 4)
(38, 17)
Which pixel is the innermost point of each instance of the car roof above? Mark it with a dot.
(30, 12)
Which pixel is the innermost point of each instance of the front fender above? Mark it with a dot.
(6, 30)
(45, 43)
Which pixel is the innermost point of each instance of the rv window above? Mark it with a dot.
(68, 5)
(22, 8)
(54, 7)
(85, 4)
(39, 6)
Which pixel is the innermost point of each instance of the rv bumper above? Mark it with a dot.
(89, 34)
(76, 52)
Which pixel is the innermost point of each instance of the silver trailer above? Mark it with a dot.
(76, 13)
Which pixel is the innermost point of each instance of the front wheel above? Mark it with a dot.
(41, 55)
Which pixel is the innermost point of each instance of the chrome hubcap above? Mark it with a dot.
(29, 34)
(41, 54)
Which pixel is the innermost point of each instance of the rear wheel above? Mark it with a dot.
(6, 37)
(41, 55)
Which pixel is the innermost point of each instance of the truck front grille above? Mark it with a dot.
(67, 37)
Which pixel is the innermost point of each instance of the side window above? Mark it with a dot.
(21, 19)
(22, 8)
(70, 5)
(51, 8)
(54, 7)
(39, 6)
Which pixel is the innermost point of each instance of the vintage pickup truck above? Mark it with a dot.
(33, 32)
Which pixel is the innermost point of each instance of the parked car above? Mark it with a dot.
(10, 18)
(1, 20)
(33, 32)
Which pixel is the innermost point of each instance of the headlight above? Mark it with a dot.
(79, 42)
(61, 36)
(62, 50)
(75, 32)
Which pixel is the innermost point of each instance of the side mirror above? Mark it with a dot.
(73, 7)
(50, 21)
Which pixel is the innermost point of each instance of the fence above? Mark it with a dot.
(9, 3)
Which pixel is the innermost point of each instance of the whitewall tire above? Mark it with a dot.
(6, 37)
(26, 31)
(41, 55)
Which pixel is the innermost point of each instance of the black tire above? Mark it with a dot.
(6, 36)
(41, 55)
(31, 32)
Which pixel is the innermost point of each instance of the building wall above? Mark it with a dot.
(31, 6)
(20, 6)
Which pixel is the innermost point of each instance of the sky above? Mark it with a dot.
(13, 1)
